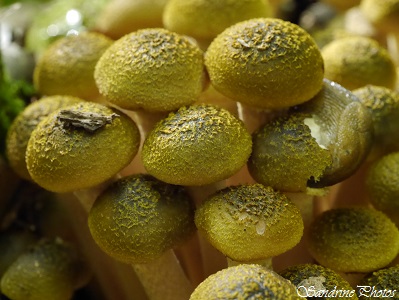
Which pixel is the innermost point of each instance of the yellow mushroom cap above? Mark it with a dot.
(384, 281)
(52, 269)
(81, 146)
(250, 223)
(382, 13)
(154, 69)
(197, 145)
(353, 239)
(121, 17)
(382, 184)
(138, 218)
(21, 128)
(245, 282)
(356, 61)
(67, 65)
(316, 144)
(383, 104)
(205, 19)
(306, 276)
(266, 63)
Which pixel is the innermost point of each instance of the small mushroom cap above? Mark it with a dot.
(205, 19)
(197, 145)
(382, 185)
(382, 280)
(67, 65)
(121, 17)
(342, 5)
(353, 239)
(21, 129)
(317, 144)
(285, 155)
(157, 70)
(306, 275)
(52, 269)
(250, 223)
(356, 61)
(383, 104)
(384, 14)
(266, 63)
(245, 282)
(343, 126)
(138, 218)
(81, 146)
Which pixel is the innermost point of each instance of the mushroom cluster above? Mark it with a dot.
(203, 150)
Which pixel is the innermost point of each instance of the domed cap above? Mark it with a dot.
(265, 63)
(245, 282)
(353, 239)
(138, 218)
(250, 223)
(197, 145)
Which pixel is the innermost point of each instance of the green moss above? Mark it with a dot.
(353, 239)
(329, 279)
(245, 282)
(21, 129)
(384, 14)
(266, 63)
(138, 218)
(250, 223)
(66, 155)
(197, 145)
(153, 69)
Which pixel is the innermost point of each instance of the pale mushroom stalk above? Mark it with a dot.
(117, 280)
(212, 260)
(131, 204)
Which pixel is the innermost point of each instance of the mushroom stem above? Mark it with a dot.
(164, 279)
(145, 122)
(117, 280)
(212, 259)
(352, 191)
(393, 46)
(152, 277)
(299, 254)
(253, 118)
(266, 263)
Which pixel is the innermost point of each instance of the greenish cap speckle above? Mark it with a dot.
(285, 156)
(329, 279)
(64, 154)
(266, 63)
(353, 239)
(154, 69)
(245, 282)
(382, 185)
(197, 145)
(138, 218)
(383, 104)
(21, 129)
(250, 222)
(51, 269)
(382, 280)
(357, 61)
